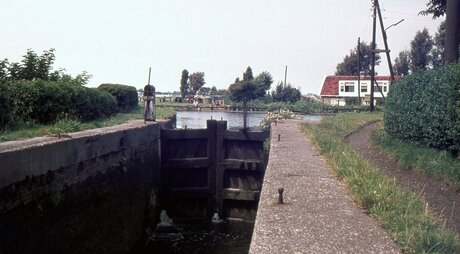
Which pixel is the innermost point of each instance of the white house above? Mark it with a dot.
(336, 89)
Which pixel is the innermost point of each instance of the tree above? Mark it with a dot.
(421, 46)
(286, 93)
(349, 65)
(437, 53)
(195, 82)
(402, 63)
(263, 82)
(4, 69)
(247, 76)
(184, 84)
(437, 8)
(206, 91)
(451, 51)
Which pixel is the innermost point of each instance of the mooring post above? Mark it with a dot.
(279, 137)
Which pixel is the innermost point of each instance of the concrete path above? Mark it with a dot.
(318, 215)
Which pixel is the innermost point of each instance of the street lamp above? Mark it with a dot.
(395, 24)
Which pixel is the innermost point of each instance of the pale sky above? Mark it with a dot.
(117, 41)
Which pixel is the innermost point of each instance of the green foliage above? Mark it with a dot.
(426, 160)
(349, 65)
(402, 63)
(425, 108)
(286, 93)
(65, 125)
(43, 101)
(420, 48)
(263, 82)
(126, 96)
(184, 87)
(399, 211)
(437, 8)
(195, 82)
(242, 90)
(5, 108)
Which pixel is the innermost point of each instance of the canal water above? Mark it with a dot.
(197, 119)
(227, 237)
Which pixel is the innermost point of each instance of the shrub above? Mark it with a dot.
(126, 95)
(425, 108)
(43, 101)
(5, 109)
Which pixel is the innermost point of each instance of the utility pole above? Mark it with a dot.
(285, 75)
(384, 35)
(374, 28)
(359, 72)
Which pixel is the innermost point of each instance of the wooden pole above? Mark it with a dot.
(374, 23)
(359, 72)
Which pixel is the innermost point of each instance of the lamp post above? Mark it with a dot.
(149, 101)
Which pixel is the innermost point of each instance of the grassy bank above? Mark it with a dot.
(400, 212)
(428, 161)
(29, 130)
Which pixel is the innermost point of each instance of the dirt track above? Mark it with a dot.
(443, 199)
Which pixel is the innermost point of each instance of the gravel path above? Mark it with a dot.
(443, 199)
(319, 215)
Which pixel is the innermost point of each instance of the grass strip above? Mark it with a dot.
(402, 213)
(31, 130)
(410, 156)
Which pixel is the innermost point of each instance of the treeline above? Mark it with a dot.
(31, 91)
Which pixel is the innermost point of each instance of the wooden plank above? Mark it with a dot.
(187, 163)
(247, 135)
(220, 153)
(212, 130)
(239, 194)
(243, 164)
(190, 192)
(184, 134)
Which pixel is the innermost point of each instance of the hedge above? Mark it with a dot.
(5, 109)
(44, 101)
(126, 96)
(425, 108)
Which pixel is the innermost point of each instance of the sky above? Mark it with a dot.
(117, 41)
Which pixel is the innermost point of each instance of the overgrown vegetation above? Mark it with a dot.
(399, 211)
(69, 124)
(426, 160)
(425, 108)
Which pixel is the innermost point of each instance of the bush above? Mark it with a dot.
(425, 108)
(43, 101)
(5, 109)
(126, 95)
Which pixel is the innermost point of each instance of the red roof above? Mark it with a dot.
(331, 83)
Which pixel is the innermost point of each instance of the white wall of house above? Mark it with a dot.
(349, 88)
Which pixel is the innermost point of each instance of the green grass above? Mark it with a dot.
(410, 156)
(400, 212)
(30, 130)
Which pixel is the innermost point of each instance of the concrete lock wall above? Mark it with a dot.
(95, 192)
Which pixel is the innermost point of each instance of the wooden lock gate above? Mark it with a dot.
(210, 170)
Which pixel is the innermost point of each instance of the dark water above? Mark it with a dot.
(197, 119)
(228, 237)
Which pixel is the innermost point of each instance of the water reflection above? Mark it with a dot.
(228, 237)
(197, 119)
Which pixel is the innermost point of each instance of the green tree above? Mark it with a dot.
(451, 50)
(205, 91)
(437, 53)
(437, 8)
(184, 84)
(286, 93)
(196, 81)
(4, 69)
(349, 64)
(263, 83)
(247, 76)
(421, 46)
(402, 63)
(214, 91)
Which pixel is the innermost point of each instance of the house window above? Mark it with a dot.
(349, 87)
(376, 89)
(385, 89)
(363, 89)
(342, 89)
